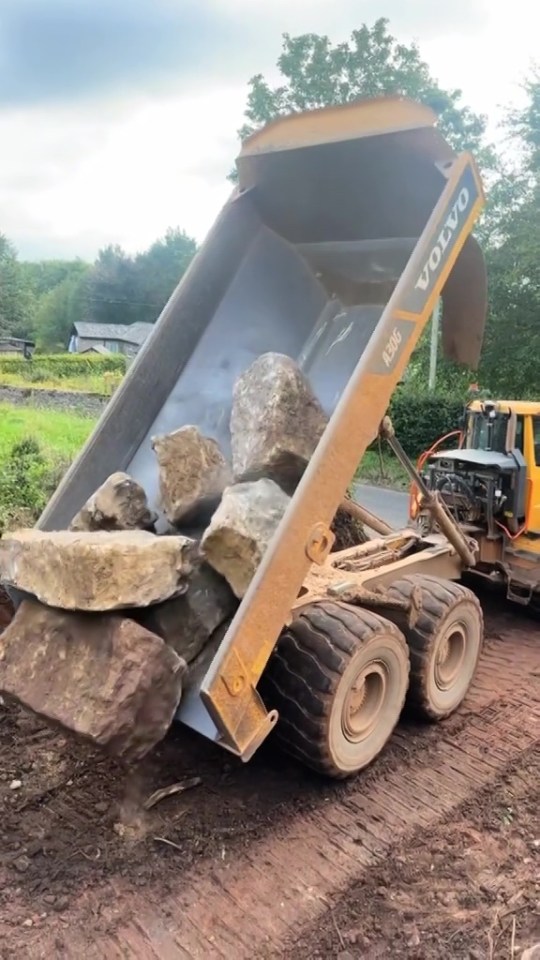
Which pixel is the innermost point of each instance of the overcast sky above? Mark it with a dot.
(118, 118)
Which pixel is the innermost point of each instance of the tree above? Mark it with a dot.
(525, 124)
(317, 73)
(16, 302)
(44, 299)
(59, 309)
(42, 276)
(124, 289)
(162, 266)
(511, 356)
(111, 292)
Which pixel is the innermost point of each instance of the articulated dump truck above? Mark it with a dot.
(346, 226)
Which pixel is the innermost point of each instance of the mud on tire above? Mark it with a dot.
(445, 643)
(338, 678)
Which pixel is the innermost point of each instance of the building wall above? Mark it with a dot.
(115, 346)
(129, 350)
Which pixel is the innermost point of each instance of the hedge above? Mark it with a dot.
(421, 418)
(26, 482)
(61, 366)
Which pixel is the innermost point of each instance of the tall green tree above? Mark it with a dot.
(316, 72)
(111, 293)
(511, 357)
(42, 276)
(44, 299)
(510, 237)
(59, 309)
(162, 266)
(16, 302)
(525, 124)
(124, 289)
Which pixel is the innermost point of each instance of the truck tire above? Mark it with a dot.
(445, 644)
(338, 677)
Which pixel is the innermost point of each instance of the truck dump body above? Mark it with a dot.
(346, 226)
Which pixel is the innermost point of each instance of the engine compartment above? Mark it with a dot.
(480, 487)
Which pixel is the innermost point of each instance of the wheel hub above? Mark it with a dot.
(450, 655)
(364, 701)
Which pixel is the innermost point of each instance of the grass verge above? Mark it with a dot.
(382, 471)
(36, 447)
(102, 384)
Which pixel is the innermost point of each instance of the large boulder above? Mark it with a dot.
(276, 422)
(119, 504)
(241, 529)
(6, 609)
(96, 571)
(186, 623)
(100, 676)
(193, 474)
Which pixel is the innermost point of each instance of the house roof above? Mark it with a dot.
(135, 333)
(17, 341)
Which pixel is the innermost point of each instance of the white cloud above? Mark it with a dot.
(122, 170)
(145, 177)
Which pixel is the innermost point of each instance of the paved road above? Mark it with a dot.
(391, 505)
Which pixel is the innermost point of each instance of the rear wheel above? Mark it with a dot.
(338, 678)
(445, 643)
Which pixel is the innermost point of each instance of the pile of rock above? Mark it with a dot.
(115, 616)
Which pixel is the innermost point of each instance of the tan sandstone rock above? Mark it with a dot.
(96, 571)
(193, 473)
(119, 504)
(241, 529)
(531, 953)
(186, 623)
(100, 676)
(276, 422)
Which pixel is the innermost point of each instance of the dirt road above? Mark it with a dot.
(433, 853)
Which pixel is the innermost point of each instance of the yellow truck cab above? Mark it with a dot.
(512, 427)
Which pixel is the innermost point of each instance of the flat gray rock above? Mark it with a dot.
(241, 529)
(276, 422)
(119, 504)
(96, 571)
(186, 623)
(193, 473)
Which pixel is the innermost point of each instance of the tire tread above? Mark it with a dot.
(304, 672)
(439, 598)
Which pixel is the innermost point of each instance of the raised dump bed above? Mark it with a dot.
(345, 227)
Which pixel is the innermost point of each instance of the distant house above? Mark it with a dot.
(15, 345)
(109, 337)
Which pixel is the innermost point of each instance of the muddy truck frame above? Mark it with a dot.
(346, 226)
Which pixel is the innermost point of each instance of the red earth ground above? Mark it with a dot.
(432, 853)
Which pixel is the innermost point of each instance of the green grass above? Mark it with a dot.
(383, 471)
(60, 435)
(36, 447)
(103, 384)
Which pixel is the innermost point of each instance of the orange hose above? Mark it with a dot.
(414, 493)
